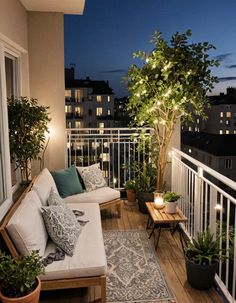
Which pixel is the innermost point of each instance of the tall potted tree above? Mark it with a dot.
(28, 125)
(170, 85)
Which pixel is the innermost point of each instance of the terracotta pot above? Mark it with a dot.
(131, 196)
(170, 207)
(33, 297)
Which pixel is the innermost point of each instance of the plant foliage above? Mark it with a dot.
(130, 184)
(204, 250)
(27, 129)
(171, 196)
(18, 277)
(170, 85)
(145, 176)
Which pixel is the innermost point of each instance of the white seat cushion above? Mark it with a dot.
(100, 195)
(43, 185)
(26, 226)
(89, 257)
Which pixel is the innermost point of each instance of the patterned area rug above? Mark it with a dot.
(134, 274)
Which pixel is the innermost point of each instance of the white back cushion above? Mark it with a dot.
(43, 185)
(26, 226)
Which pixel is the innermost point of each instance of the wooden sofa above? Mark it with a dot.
(66, 279)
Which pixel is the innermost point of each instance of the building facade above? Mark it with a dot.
(88, 103)
(221, 115)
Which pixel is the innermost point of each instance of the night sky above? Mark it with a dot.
(101, 41)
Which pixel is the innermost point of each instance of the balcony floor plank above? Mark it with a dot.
(170, 257)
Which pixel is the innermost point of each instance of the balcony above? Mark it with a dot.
(207, 199)
(105, 117)
(75, 116)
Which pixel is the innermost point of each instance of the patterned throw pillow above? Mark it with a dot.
(55, 199)
(62, 227)
(92, 177)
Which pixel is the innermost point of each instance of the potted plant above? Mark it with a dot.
(130, 188)
(28, 124)
(202, 256)
(171, 199)
(19, 278)
(145, 179)
(170, 85)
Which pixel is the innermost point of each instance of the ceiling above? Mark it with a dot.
(61, 6)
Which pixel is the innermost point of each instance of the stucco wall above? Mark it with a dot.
(46, 66)
(13, 22)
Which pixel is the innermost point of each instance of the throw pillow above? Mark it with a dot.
(62, 227)
(92, 177)
(55, 199)
(67, 181)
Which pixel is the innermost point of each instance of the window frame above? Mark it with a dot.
(6, 50)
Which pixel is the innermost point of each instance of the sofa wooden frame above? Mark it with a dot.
(58, 283)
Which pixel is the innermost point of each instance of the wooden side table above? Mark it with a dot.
(158, 217)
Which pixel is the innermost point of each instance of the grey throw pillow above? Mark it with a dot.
(55, 199)
(62, 227)
(92, 177)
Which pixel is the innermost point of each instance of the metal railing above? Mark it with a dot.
(114, 148)
(208, 200)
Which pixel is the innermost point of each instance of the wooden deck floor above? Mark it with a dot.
(170, 258)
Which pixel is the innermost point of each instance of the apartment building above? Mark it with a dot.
(221, 115)
(88, 103)
(214, 150)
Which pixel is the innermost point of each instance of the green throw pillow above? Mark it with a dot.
(67, 181)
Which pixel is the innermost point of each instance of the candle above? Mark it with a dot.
(158, 200)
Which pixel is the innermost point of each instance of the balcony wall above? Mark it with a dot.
(46, 60)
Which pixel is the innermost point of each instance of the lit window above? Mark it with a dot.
(108, 112)
(190, 128)
(190, 151)
(221, 121)
(77, 124)
(227, 131)
(68, 109)
(78, 95)
(228, 114)
(221, 132)
(108, 98)
(99, 111)
(99, 98)
(78, 110)
(227, 122)
(221, 114)
(196, 129)
(228, 163)
(67, 94)
(198, 121)
(101, 125)
(234, 131)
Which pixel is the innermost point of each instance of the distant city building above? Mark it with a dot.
(121, 116)
(216, 151)
(221, 115)
(88, 103)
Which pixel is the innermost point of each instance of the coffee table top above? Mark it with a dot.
(160, 216)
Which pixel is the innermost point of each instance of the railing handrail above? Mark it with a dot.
(207, 169)
(107, 129)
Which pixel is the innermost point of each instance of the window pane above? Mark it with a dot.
(2, 185)
(11, 89)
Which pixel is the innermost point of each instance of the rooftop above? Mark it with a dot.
(215, 144)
